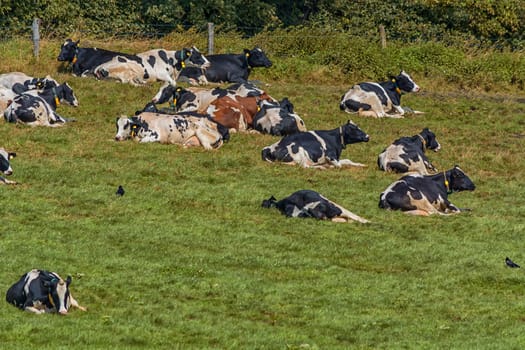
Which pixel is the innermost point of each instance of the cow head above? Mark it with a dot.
(167, 92)
(190, 58)
(68, 51)
(64, 92)
(257, 58)
(350, 133)
(5, 157)
(126, 128)
(430, 141)
(456, 180)
(269, 203)
(405, 83)
(57, 291)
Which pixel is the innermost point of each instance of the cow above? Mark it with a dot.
(39, 108)
(407, 154)
(84, 60)
(41, 291)
(153, 65)
(311, 204)
(424, 195)
(234, 68)
(277, 118)
(20, 82)
(186, 129)
(5, 166)
(316, 149)
(379, 99)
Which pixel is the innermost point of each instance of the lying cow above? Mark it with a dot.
(316, 149)
(407, 154)
(151, 66)
(41, 291)
(84, 60)
(379, 99)
(233, 68)
(20, 82)
(185, 129)
(310, 204)
(426, 194)
(5, 166)
(39, 108)
(277, 118)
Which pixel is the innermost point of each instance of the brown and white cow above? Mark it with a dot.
(184, 129)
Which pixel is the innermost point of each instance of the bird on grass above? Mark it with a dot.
(511, 263)
(120, 191)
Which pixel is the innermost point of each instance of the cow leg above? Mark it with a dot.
(348, 162)
(419, 212)
(348, 215)
(194, 142)
(6, 181)
(74, 303)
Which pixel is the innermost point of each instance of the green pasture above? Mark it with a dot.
(188, 259)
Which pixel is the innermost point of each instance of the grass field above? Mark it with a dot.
(187, 258)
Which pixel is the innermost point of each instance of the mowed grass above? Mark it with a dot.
(187, 258)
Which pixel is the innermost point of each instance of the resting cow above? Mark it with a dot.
(20, 82)
(84, 60)
(185, 129)
(379, 99)
(316, 149)
(225, 68)
(277, 118)
(39, 108)
(310, 204)
(407, 154)
(5, 166)
(41, 291)
(426, 194)
(151, 66)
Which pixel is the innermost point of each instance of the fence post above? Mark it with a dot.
(36, 36)
(211, 38)
(382, 34)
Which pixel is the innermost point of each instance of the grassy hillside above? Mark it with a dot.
(187, 258)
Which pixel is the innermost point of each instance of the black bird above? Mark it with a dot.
(511, 263)
(120, 191)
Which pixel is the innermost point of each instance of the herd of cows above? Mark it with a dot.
(204, 117)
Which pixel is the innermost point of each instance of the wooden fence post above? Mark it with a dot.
(382, 34)
(211, 38)
(36, 36)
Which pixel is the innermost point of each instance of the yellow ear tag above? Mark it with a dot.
(175, 101)
(57, 101)
(446, 183)
(258, 108)
(10, 157)
(247, 54)
(183, 64)
(74, 60)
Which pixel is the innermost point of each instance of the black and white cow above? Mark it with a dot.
(84, 60)
(41, 291)
(426, 194)
(407, 154)
(316, 149)
(311, 204)
(153, 65)
(233, 68)
(37, 108)
(5, 166)
(20, 82)
(189, 129)
(277, 118)
(379, 99)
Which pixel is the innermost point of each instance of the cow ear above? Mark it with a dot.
(11, 155)
(246, 52)
(68, 280)
(77, 42)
